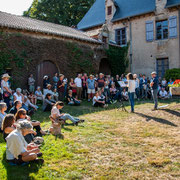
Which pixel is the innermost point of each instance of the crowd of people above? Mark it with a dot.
(24, 135)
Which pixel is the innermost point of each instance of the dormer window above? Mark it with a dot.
(109, 10)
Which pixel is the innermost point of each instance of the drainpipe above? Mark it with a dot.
(179, 37)
(130, 55)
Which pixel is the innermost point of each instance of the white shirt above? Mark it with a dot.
(4, 84)
(55, 112)
(95, 99)
(18, 98)
(16, 145)
(163, 94)
(46, 91)
(131, 86)
(137, 83)
(78, 82)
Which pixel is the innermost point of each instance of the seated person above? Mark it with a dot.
(97, 102)
(17, 150)
(163, 94)
(55, 95)
(21, 115)
(8, 125)
(48, 90)
(48, 103)
(115, 95)
(164, 83)
(3, 108)
(17, 96)
(72, 100)
(32, 97)
(16, 107)
(28, 106)
(39, 94)
(55, 113)
(124, 94)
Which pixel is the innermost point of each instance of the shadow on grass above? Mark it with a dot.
(176, 113)
(159, 120)
(20, 172)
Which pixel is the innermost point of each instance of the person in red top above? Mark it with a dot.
(84, 86)
(60, 87)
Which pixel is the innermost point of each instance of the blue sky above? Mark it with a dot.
(15, 6)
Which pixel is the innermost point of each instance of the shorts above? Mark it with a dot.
(91, 91)
(18, 161)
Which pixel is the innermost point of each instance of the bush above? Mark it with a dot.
(172, 74)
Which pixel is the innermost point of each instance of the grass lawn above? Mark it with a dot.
(111, 144)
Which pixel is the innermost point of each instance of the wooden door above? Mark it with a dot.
(45, 68)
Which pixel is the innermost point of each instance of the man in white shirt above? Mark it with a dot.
(163, 94)
(78, 82)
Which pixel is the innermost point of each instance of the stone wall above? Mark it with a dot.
(32, 49)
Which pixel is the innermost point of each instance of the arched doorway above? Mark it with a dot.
(104, 67)
(45, 68)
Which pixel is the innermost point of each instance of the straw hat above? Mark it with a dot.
(5, 76)
(90, 75)
(154, 72)
(49, 85)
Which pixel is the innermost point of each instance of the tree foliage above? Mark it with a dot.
(65, 12)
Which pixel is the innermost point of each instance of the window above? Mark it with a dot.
(162, 30)
(161, 66)
(109, 10)
(121, 36)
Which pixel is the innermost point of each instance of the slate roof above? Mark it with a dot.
(33, 25)
(124, 9)
(130, 8)
(172, 3)
(94, 17)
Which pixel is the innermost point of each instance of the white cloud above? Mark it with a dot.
(15, 6)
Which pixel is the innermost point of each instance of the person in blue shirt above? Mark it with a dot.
(154, 89)
(91, 87)
(143, 87)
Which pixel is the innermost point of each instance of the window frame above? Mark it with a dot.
(163, 65)
(119, 41)
(162, 29)
(109, 10)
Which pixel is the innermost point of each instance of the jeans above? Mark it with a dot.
(155, 97)
(131, 99)
(137, 92)
(68, 116)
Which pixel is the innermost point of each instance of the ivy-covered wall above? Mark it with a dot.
(20, 54)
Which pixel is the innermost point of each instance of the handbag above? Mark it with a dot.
(6, 94)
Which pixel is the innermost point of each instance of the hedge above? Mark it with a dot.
(172, 74)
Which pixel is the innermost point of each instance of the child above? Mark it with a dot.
(55, 95)
(71, 100)
(125, 95)
(97, 102)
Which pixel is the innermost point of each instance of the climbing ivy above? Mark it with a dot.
(118, 59)
(9, 57)
(79, 60)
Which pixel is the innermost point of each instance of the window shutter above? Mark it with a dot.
(149, 31)
(172, 26)
(116, 37)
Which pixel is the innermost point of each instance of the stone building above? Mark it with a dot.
(152, 28)
(41, 48)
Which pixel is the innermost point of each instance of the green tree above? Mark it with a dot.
(65, 12)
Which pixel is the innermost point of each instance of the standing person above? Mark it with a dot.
(78, 82)
(7, 92)
(3, 108)
(65, 80)
(31, 83)
(73, 87)
(131, 90)
(55, 80)
(100, 81)
(143, 86)
(137, 90)
(91, 87)
(60, 87)
(84, 85)
(154, 89)
(45, 82)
